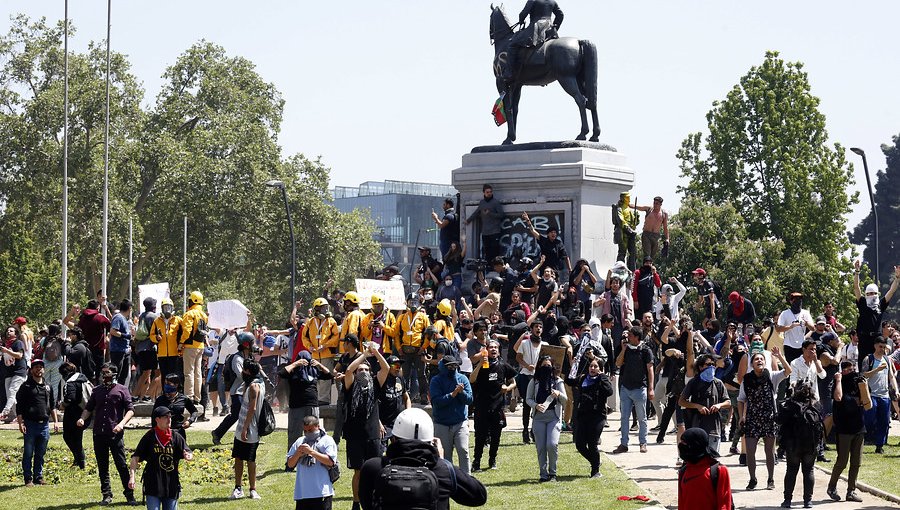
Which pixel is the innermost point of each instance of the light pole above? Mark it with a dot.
(274, 183)
(860, 152)
(106, 155)
(65, 186)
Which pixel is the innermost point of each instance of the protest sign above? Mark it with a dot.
(556, 352)
(390, 290)
(227, 314)
(157, 291)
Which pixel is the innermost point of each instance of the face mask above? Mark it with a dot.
(634, 347)
(109, 379)
(311, 437)
(872, 302)
(429, 297)
(247, 378)
(796, 305)
(708, 374)
(168, 388)
(364, 377)
(448, 282)
(167, 311)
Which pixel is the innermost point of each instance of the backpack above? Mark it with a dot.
(617, 224)
(406, 484)
(228, 371)
(142, 335)
(801, 426)
(198, 336)
(449, 347)
(265, 423)
(713, 478)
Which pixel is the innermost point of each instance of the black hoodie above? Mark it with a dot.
(467, 491)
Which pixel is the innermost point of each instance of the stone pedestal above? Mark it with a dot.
(571, 185)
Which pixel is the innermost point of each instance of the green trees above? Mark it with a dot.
(778, 192)
(203, 150)
(887, 202)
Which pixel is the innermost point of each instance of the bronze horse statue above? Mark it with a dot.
(569, 61)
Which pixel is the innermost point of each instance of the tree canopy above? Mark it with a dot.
(203, 150)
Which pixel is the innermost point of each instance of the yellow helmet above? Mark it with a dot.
(376, 299)
(444, 307)
(320, 302)
(351, 297)
(166, 301)
(196, 297)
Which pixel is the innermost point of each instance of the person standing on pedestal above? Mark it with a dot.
(655, 219)
(490, 211)
(552, 247)
(626, 222)
(448, 226)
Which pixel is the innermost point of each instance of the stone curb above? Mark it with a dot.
(867, 488)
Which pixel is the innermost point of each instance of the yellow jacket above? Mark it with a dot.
(445, 328)
(190, 321)
(352, 324)
(324, 333)
(389, 328)
(165, 336)
(409, 328)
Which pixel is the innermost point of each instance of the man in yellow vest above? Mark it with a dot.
(164, 334)
(191, 344)
(320, 337)
(409, 343)
(446, 319)
(378, 325)
(352, 319)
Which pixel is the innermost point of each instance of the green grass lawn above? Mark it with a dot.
(208, 480)
(879, 471)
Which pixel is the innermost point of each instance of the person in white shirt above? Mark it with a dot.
(668, 302)
(528, 351)
(793, 323)
(807, 367)
(850, 352)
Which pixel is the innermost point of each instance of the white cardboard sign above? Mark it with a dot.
(157, 291)
(390, 290)
(227, 314)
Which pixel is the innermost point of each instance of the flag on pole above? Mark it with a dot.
(499, 112)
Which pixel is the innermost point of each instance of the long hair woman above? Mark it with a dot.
(590, 413)
(547, 397)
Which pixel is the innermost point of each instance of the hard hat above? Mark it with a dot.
(414, 423)
(351, 297)
(444, 307)
(245, 339)
(320, 302)
(377, 299)
(412, 296)
(196, 297)
(167, 301)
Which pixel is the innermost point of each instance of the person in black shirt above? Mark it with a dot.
(391, 391)
(448, 225)
(590, 412)
(74, 397)
(78, 353)
(16, 372)
(362, 428)
(851, 396)
(636, 383)
(871, 307)
(302, 376)
(491, 380)
(162, 450)
(176, 402)
(553, 251)
(34, 407)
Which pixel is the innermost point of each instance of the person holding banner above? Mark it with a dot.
(378, 324)
(320, 337)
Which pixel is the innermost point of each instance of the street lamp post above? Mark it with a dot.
(860, 152)
(274, 183)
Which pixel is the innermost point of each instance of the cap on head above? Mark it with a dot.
(414, 423)
(450, 360)
(21, 321)
(161, 411)
(392, 360)
(699, 271)
(821, 320)
(36, 362)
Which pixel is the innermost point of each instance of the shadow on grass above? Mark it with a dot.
(532, 481)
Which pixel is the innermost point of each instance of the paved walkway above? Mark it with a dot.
(655, 471)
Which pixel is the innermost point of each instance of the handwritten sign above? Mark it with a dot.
(157, 291)
(391, 291)
(518, 241)
(557, 353)
(227, 314)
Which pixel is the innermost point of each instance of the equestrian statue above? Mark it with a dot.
(536, 55)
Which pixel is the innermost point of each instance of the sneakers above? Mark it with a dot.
(130, 501)
(644, 448)
(215, 411)
(216, 440)
(879, 449)
(225, 411)
(237, 493)
(597, 474)
(254, 494)
(832, 493)
(678, 462)
(734, 450)
(620, 449)
(29, 483)
(752, 484)
(476, 467)
(634, 426)
(821, 458)
(106, 501)
(853, 496)
(770, 485)
(786, 503)
(807, 503)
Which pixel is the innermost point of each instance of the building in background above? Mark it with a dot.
(402, 215)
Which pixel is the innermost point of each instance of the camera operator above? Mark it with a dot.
(510, 278)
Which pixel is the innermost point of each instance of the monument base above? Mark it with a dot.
(571, 185)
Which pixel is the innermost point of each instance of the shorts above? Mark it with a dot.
(170, 365)
(361, 450)
(146, 360)
(244, 451)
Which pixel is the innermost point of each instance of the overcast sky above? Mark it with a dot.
(402, 89)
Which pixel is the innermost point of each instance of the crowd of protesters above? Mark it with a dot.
(548, 338)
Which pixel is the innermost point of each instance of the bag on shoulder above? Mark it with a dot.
(334, 472)
(406, 484)
(713, 478)
(86, 389)
(228, 370)
(265, 424)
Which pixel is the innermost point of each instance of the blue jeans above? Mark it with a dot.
(546, 439)
(878, 420)
(155, 503)
(37, 435)
(636, 398)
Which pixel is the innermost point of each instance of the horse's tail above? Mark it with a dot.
(589, 69)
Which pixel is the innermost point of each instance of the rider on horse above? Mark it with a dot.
(546, 18)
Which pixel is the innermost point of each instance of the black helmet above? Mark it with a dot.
(245, 340)
(526, 262)
(496, 283)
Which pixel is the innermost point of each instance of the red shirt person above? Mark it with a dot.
(703, 483)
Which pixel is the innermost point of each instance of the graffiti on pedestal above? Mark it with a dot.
(518, 242)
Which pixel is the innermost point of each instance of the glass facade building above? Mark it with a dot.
(402, 214)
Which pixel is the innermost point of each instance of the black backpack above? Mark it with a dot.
(713, 478)
(265, 423)
(227, 371)
(407, 484)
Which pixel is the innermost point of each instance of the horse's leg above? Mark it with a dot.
(512, 111)
(596, 135)
(570, 85)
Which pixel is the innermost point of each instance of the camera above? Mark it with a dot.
(255, 349)
(478, 265)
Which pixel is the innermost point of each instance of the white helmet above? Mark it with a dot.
(414, 423)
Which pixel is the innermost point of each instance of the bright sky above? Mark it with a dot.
(402, 89)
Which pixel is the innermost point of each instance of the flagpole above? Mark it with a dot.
(106, 154)
(65, 186)
(184, 275)
(130, 260)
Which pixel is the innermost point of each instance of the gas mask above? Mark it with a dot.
(167, 311)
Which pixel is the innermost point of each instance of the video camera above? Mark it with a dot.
(477, 265)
